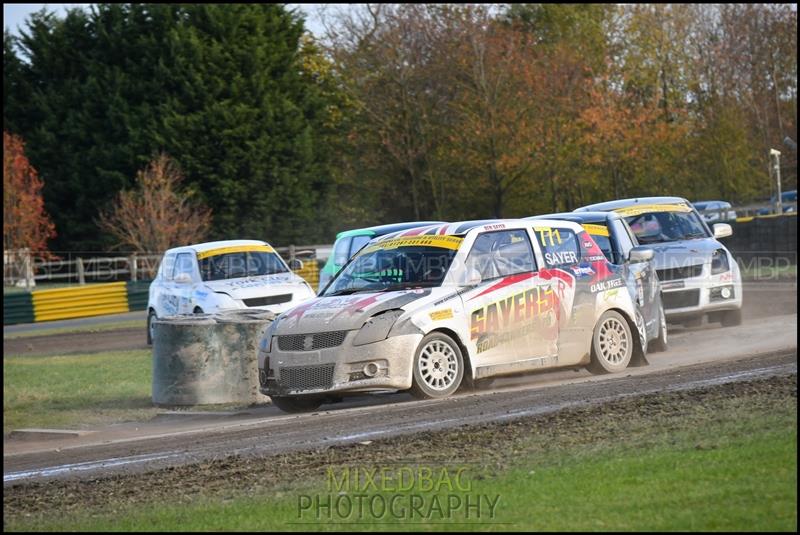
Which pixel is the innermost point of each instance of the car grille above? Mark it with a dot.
(269, 300)
(688, 298)
(310, 342)
(307, 377)
(685, 272)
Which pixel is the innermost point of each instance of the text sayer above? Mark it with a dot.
(558, 259)
(513, 309)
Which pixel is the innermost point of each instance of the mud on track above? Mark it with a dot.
(485, 446)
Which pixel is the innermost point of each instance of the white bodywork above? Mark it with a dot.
(539, 319)
(169, 297)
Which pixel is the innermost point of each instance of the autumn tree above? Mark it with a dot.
(157, 214)
(26, 224)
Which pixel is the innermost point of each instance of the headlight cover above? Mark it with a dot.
(719, 262)
(377, 327)
(265, 344)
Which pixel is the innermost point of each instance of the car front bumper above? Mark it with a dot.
(380, 366)
(688, 298)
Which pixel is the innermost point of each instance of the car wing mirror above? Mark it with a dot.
(295, 264)
(640, 254)
(722, 230)
(183, 278)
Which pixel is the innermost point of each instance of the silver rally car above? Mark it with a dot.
(428, 308)
(698, 274)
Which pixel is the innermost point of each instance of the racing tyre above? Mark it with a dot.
(150, 317)
(295, 404)
(660, 343)
(612, 344)
(731, 318)
(438, 367)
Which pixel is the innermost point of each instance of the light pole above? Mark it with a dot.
(777, 154)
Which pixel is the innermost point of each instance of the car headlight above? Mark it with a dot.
(377, 327)
(719, 262)
(265, 344)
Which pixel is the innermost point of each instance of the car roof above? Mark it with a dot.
(207, 246)
(461, 228)
(382, 230)
(580, 217)
(623, 203)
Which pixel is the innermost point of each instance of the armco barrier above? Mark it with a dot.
(17, 308)
(138, 294)
(92, 300)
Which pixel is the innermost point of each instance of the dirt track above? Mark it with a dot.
(698, 357)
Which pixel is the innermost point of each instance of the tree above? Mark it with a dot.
(26, 224)
(157, 214)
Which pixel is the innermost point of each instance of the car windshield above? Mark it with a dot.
(240, 264)
(397, 264)
(666, 226)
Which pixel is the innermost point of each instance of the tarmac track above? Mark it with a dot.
(765, 345)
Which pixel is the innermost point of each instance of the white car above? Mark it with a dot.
(426, 308)
(222, 275)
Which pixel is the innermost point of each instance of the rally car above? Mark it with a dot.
(427, 308)
(698, 275)
(214, 276)
(349, 242)
(634, 264)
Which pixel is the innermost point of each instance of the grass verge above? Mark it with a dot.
(76, 391)
(719, 458)
(132, 324)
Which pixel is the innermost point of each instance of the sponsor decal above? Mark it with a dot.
(640, 209)
(595, 258)
(560, 258)
(609, 295)
(605, 285)
(582, 271)
(512, 311)
(445, 314)
(726, 277)
(444, 242)
(597, 230)
(236, 249)
(496, 226)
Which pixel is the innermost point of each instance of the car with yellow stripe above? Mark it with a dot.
(699, 276)
(430, 308)
(223, 275)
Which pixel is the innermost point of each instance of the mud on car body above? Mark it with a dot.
(429, 308)
(698, 274)
(214, 276)
(634, 264)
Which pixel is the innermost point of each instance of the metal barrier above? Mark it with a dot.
(92, 300)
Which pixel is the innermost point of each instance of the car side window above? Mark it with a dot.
(358, 243)
(166, 267)
(623, 239)
(341, 251)
(559, 245)
(502, 253)
(184, 264)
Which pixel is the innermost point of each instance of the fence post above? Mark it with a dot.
(291, 252)
(132, 266)
(28, 271)
(79, 263)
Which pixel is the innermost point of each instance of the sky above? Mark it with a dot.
(14, 15)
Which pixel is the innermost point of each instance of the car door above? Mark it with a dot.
(509, 311)
(640, 275)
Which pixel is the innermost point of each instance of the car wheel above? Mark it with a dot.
(150, 317)
(732, 318)
(296, 404)
(438, 367)
(660, 343)
(612, 344)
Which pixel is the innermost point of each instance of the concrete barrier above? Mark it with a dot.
(208, 359)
